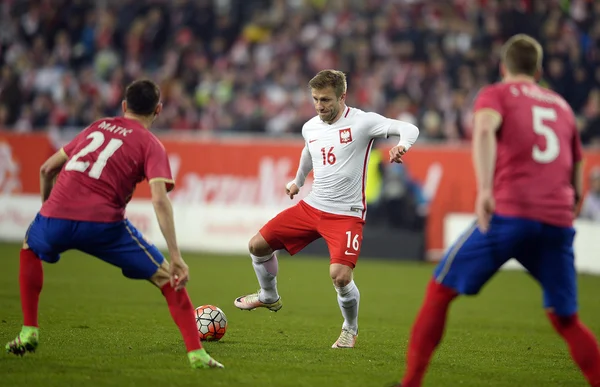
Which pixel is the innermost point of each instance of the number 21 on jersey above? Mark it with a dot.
(97, 166)
(541, 116)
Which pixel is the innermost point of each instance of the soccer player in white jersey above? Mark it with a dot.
(337, 146)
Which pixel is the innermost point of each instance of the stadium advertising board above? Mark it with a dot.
(226, 189)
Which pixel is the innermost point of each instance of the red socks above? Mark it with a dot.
(182, 311)
(582, 345)
(31, 279)
(427, 332)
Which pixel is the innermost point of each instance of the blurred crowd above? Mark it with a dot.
(231, 66)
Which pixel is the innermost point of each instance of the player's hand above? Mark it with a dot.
(179, 273)
(396, 154)
(484, 208)
(291, 189)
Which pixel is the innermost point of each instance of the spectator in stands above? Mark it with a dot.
(243, 65)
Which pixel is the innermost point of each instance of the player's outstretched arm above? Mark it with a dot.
(49, 171)
(293, 187)
(408, 134)
(164, 214)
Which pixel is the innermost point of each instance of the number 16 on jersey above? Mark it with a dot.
(352, 243)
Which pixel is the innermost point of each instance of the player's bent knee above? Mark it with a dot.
(161, 277)
(341, 282)
(341, 275)
(259, 247)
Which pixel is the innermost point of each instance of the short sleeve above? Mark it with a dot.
(489, 98)
(377, 125)
(156, 164)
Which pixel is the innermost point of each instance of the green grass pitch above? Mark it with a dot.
(100, 329)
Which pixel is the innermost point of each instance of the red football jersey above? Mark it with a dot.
(538, 145)
(106, 161)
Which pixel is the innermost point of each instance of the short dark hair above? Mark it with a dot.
(142, 97)
(329, 78)
(522, 55)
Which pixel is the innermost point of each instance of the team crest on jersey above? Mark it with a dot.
(345, 136)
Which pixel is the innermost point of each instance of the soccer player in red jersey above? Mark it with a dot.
(528, 163)
(85, 210)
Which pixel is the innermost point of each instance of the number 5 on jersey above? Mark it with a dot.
(97, 166)
(548, 155)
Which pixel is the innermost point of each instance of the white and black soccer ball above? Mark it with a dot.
(211, 323)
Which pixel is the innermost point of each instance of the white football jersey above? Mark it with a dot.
(340, 156)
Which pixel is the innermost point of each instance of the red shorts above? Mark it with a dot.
(294, 228)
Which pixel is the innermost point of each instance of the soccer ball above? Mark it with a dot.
(211, 322)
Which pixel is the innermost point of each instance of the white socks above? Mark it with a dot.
(266, 272)
(348, 299)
